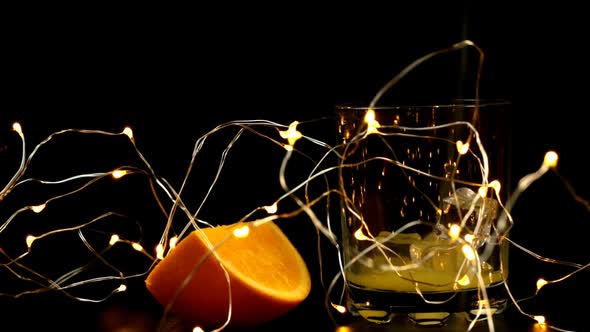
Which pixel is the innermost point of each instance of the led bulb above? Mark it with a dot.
(550, 160)
(454, 231)
(371, 121)
(462, 148)
(291, 134)
(117, 174)
(160, 251)
(468, 252)
(242, 232)
(341, 309)
(271, 209)
(127, 131)
(114, 239)
(137, 246)
(173, 242)
(29, 240)
(360, 236)
(38, 208)
(16, 127)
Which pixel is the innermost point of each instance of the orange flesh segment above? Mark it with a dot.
(268, 276)
(271, 273)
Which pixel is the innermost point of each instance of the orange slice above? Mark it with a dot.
(268, 276)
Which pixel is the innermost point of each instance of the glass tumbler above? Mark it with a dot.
(422, 209)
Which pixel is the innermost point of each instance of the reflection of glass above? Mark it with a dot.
(420, 215)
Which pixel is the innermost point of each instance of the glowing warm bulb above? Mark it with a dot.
(291, 134)
(242, 232)
(127, 131)
(550, 159)
(540, 283)
(16, 127)
(160, 251)
(271, 209)
(341, 309)
(469, 238)
(114, 239)
(454, 231)
(198, 329)
(482, 191)
(30, 239)
(462, 147)
(173, 242)
(344, 329)
(370, 116)
(539, 319)
(438, 212)
(359, 235)
(464, 281)
(117, 174)
(468, 252)
(38, 208)
(122, 288)
(137, 246)
(371, 121)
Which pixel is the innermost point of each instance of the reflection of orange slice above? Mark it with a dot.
(268, 276)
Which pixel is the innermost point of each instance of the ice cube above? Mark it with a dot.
(437, 253)
(398, 244)
(462, 199)
(480, 221)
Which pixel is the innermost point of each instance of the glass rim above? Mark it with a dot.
(463, 102)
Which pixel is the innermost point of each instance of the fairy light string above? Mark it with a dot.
(170, 200)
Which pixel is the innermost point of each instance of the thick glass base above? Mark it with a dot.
(430, 309)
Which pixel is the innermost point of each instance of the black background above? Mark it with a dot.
(173, 74)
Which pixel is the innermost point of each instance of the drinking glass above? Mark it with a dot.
(422, 211)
